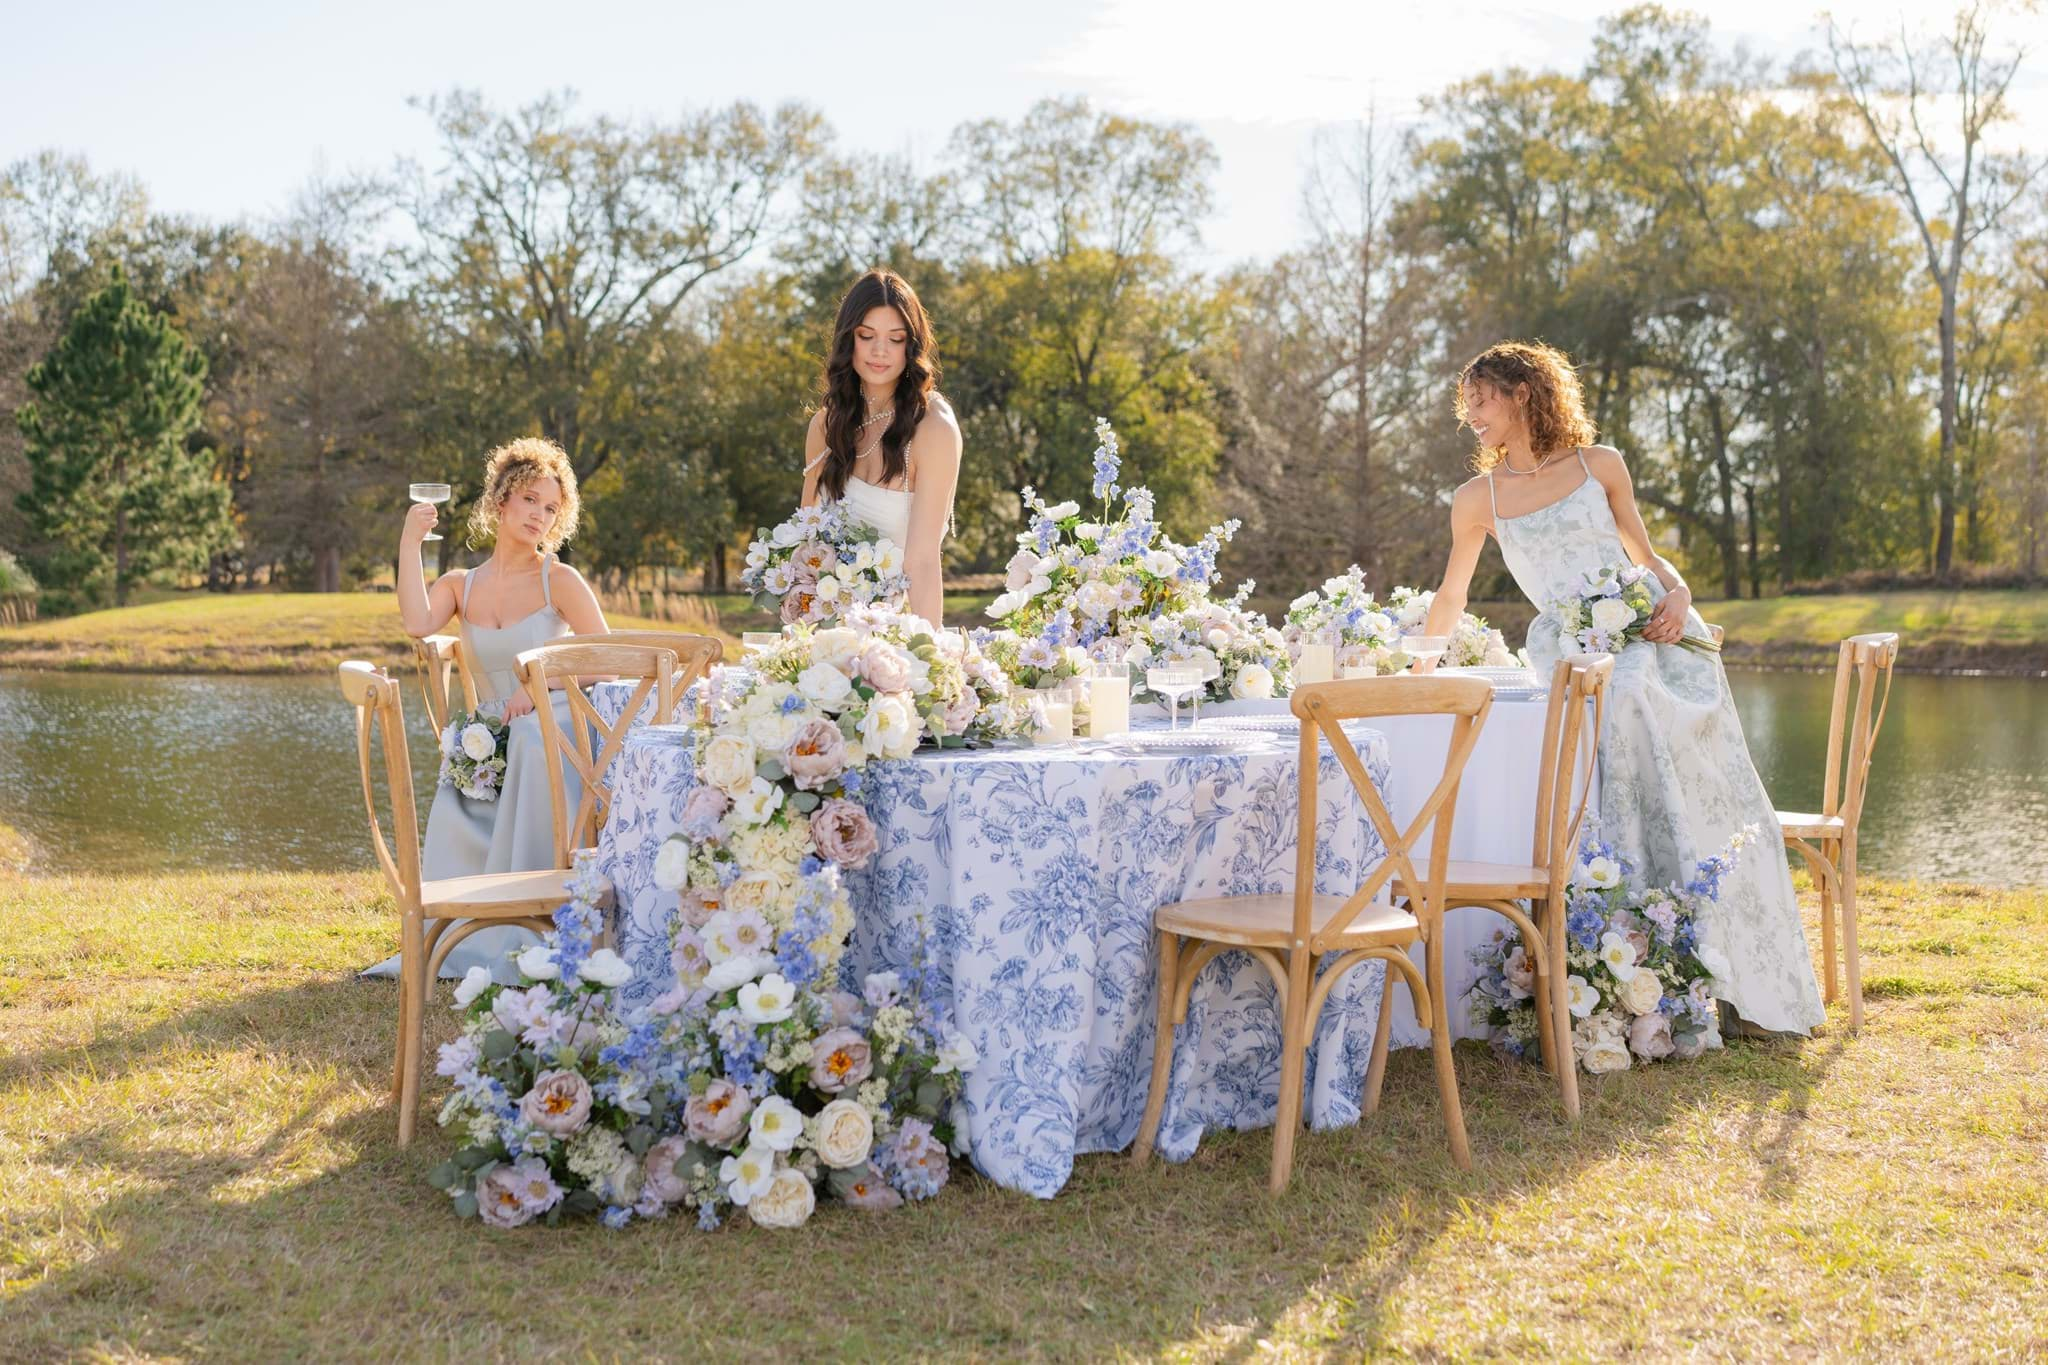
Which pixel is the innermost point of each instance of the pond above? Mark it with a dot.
(145, 774)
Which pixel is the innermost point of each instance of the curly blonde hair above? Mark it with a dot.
(1556, 411)
(510, 468)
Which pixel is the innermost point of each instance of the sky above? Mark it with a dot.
(224, 107)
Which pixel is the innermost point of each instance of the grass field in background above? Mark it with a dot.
(197, 1159)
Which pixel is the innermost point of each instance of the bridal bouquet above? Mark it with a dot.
(822, 562)
(1610, 609)
(1078, 580)
(1639, 983)
(556, 1111)
(1366, 632)
(473, 749)
(1239, 655)
(1473, 643)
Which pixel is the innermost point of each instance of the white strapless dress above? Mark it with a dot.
(885, 509)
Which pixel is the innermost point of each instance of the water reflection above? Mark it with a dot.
(139, 774)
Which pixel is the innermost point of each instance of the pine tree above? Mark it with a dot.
(114, 491)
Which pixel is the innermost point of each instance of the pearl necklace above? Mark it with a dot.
(1527, 473)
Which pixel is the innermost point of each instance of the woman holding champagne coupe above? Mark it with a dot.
(521, 597)
(1676, 780)
(885, 443)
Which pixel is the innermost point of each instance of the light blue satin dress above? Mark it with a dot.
(516, 832)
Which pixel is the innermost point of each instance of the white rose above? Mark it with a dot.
(538, 963)
(1611, 615)
(824, 686)
(1716, 962)
(1253, 681)
(478, 741)
(843, 1134)
(767, 1001)
(672, 864)
(776, 1124)
(1160, 563)
(955, 1054)
(786, 1203)
(1641, 992)
(890, 728)
(735, 971)
(1609, 1054)
(1600, 872)
(728, 764)
(1060, 511)
(771, 731)
(475, 982)
(606, 968)
(1304, 602)
(835, 647)
(761, 800)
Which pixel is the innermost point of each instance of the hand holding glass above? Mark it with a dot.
(1425, 649)
(431, 493)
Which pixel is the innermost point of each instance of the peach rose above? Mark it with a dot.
(816, 755)
(843, 833)
(718, 1117)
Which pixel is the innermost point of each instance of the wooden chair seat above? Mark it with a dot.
(495, 894)
(1468, 880)
(1801, 824)
(1268, 922)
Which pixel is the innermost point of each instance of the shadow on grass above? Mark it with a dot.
(311, 1234)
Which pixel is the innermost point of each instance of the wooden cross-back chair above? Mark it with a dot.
(438, 657)
(1826, 838)
(1290, 934)
(589, 743)
(695, 654)
(1564, 785)
(434, 915)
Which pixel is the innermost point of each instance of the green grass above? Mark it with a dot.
(257, 632)
(197, 1159)
(1957, 629)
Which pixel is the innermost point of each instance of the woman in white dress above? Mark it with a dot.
(1676, 778)
(884, 442)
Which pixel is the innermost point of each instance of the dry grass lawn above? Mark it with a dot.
(197, 1160)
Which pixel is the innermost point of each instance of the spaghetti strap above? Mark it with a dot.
(822, 456)
(467, 579)
(547, 596)
(1491, 500)
(1588, 469)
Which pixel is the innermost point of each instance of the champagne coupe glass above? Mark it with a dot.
(1425, 648)
(1173, 682)
(430, 493)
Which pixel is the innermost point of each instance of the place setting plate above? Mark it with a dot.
(1511, 684)
(1189, 739)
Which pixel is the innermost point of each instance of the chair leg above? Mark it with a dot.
(1162, 1048)
(1376, 1068)
(1293, 1067)
(1447, 1087)
(1560, 1011)
(1852, 955)
(1826, 878)
(411, 1031)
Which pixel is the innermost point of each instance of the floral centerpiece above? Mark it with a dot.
(1077, 581)
(822, 562)
(1241, 656)
(1472, 644)
(473, 750)
(1639, 983)
(1366, 633)
(1610, 609)
(556, 1113)
(793, 1085)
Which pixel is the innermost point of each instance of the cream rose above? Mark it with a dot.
(727, 763)
(478, 741)
(786, 1203)
(754, 892)
(1611, 615)
(842, 1134)
(1641, 992)
(1253, 681)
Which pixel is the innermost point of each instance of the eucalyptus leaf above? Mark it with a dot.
(473, 1159)
(804, 802)
(769, 770)
(465, 1204)
(445, 1176)
(498, 1045)
(581, 1201)
(639, 1138)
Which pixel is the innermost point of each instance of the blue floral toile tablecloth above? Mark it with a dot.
(1027, 880)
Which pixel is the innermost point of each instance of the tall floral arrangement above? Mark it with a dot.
(821, 563)
(1240, 656)
(1640, 977)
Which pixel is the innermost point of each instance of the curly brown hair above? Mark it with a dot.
(1556, 410)
(510, 468)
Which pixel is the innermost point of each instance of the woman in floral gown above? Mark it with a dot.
(1676, 780)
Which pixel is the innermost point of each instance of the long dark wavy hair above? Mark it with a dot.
(844, 409)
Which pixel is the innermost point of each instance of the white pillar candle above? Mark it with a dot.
(1317, 663)
(1352, 671)
(1109, 705)
(1059, 723)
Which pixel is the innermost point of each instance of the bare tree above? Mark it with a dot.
(1956, 193)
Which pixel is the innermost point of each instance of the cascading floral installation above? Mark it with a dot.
(1640, 978)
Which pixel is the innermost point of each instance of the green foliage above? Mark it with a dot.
(15, 581)
(116, 494)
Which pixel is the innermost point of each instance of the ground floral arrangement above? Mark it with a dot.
(1640, 979)
(474, 745)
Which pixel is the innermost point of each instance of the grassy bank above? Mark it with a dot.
(1995, 630)
(196, 1158)
(229, 633)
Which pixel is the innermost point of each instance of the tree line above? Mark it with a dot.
(1807, 299)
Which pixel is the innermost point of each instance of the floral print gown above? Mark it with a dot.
(1676, 778)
